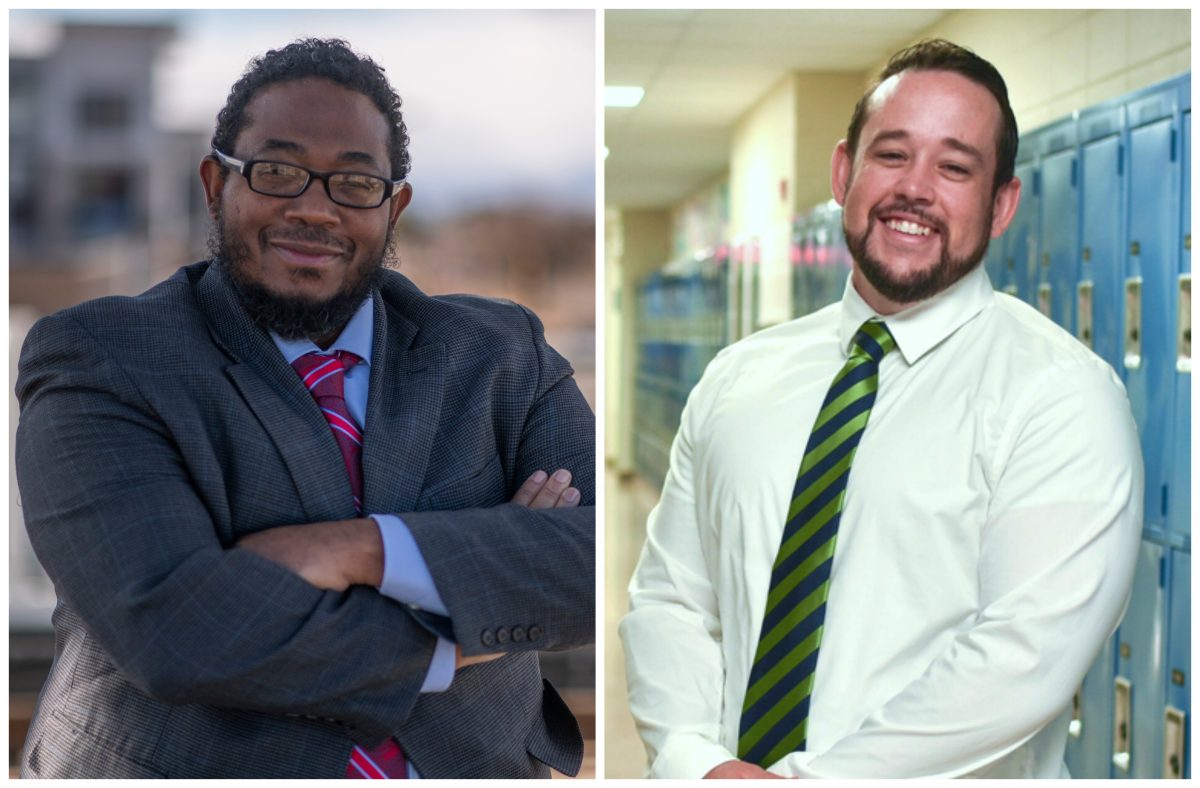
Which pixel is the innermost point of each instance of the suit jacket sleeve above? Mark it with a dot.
(114, 518)
(509, 567)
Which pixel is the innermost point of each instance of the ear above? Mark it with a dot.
(839, 172)
(213, 179)
(1004, 206)
(398, 203)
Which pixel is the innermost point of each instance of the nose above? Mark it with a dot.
(915, 183)
(313, 207)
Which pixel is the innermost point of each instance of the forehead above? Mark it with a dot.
(934, 105)
(317, 114)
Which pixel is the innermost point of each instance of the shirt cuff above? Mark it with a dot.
(406, 576)
(441, 668)
(689, 756)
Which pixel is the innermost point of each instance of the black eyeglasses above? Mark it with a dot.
(279, 179)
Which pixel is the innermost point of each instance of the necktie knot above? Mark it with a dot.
(323, 374)
(873, 339)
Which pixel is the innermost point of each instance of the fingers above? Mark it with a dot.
(547, 492)
(530, 488)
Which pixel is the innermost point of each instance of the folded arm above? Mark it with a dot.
(116, 521)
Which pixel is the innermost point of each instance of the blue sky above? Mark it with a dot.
(500, 105)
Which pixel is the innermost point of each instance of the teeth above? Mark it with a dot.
(908, 228)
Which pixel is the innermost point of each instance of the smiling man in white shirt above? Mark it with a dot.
(962, 556)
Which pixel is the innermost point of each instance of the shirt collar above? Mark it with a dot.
(357, 337)
(924, 325)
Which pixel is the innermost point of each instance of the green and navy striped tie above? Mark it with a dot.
(775, 712)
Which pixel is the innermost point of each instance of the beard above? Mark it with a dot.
(915, 285)
(291, 316)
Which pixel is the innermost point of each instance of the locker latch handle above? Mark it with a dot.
(1133, 322)
(1075, 729)
(1183, 355)
(1174, 743)
(1122, 723)
(1084, 311)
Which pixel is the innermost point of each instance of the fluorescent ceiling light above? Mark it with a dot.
(622, 95)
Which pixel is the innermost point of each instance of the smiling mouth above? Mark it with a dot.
(305, 254)
(908, 228)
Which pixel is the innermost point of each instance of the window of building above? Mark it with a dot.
(104, 111)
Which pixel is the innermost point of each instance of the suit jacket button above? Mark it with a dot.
(501, 634)
(535, 632)
(518, 634)
(488, 638)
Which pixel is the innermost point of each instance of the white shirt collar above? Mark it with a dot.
(924, 325)
(357, 337)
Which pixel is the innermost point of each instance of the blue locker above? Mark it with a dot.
(1140, 664)
(1102, 170)
(1179, 506)
(1020, 241)
(1176, 720)
(1089, 747)
(1151, 286)
(1059, 204)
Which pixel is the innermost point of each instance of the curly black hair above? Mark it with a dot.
(326, 58)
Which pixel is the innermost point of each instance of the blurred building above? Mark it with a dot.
(101, 200)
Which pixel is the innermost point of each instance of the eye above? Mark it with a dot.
(956, 170)
(889, 156)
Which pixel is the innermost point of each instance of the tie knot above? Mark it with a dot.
(323, 373)
(873, 339)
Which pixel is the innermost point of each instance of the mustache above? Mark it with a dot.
(904, 206)
(314, 235)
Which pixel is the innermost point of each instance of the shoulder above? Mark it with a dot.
(1031, 348)
(771, 351)
(166, 314)
(458, 319)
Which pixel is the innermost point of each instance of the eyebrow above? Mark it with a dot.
(288, 146)
(950, 142)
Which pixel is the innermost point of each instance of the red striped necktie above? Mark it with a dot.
(323, 374)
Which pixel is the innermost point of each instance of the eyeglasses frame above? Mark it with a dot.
(243, 169)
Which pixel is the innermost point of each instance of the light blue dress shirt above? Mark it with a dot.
(406, 577)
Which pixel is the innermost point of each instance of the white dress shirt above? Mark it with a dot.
(986, 548)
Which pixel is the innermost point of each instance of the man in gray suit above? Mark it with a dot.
(243, 591)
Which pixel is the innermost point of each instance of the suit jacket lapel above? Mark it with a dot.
(273, 391)
(403, 410)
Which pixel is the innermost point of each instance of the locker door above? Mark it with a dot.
(1138, 703)
(1151, 293)
(1089, 747)
(1177, 760)
(1179, 506)
(1059, 271)
(1101, 254)
(1020, 247)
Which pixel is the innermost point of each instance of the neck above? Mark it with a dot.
(881, 304)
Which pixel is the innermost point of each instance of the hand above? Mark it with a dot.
(461, 662)
(333, 555)
(739, 770)
(548, 492)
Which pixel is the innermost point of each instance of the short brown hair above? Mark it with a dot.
(936, 54)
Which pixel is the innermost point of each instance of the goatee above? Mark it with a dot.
(916, 285)
(290, 316)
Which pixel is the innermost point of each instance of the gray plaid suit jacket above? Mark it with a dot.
(157, 430)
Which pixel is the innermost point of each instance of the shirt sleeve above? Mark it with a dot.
(1056, 563)
(675, 667)
(406, 579)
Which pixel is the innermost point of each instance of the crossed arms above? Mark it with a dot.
(129, 510)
